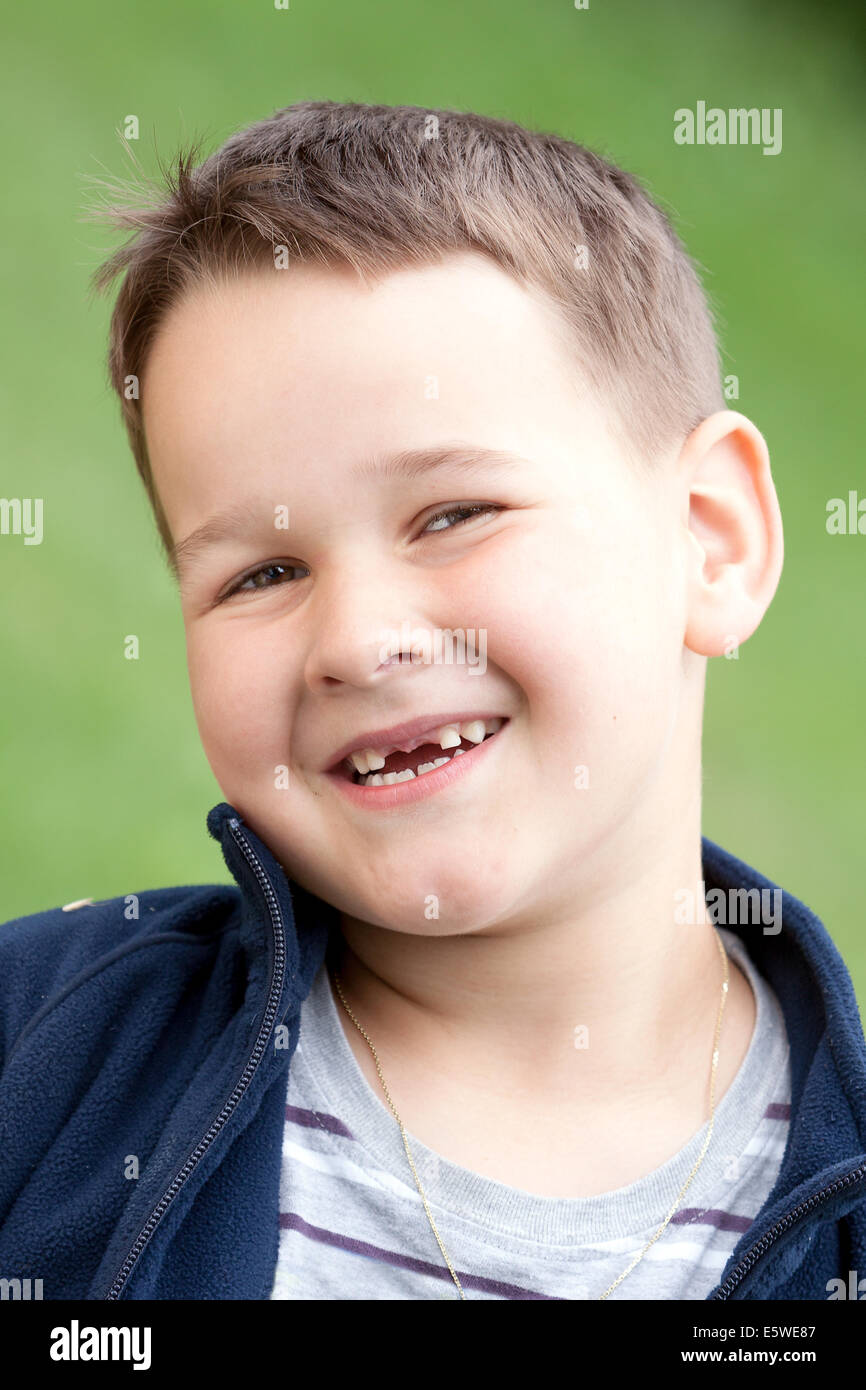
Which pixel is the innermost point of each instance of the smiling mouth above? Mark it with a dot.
(400, 766)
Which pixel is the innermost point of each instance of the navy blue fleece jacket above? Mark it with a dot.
(146, 1042)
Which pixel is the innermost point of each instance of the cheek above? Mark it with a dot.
(584, 630)
(625, 674)
(229, 669)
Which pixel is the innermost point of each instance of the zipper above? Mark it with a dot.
(737, 1275)
(274, 992)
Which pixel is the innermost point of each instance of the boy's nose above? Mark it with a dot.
(364, 633)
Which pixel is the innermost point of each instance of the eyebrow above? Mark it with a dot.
(407, 463)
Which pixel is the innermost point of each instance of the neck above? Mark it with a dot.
(602, 972)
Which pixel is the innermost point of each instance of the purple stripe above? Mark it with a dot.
(777, 1111)
(317, 1119)
(711, 1216)
(292, 1222)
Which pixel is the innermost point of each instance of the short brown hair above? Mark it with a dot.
(381, 188)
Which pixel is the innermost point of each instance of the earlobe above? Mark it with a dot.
(734, 543)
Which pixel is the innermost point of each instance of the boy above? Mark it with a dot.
(485, 1016)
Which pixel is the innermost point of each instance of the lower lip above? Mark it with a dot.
(396, 794)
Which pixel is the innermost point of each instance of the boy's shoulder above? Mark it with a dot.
(45, 954)
(86, 923)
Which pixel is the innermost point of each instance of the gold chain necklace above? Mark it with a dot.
(680, 1194)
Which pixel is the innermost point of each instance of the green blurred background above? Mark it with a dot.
(105, 785)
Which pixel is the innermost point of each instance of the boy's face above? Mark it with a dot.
(280, 391)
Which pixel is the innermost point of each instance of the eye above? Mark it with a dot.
(276, 572)
(265, 577)
(463, 513)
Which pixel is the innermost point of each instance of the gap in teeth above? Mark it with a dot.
(378, 779)
(366, 761)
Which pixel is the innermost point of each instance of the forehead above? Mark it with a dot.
(310, 317)
(313, 369)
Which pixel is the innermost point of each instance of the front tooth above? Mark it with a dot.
(448, 736)
(425, 767)
(376, 780)
(390, 777)
(405, 775)
(374, 759)
(437, 762)
(359, 761)
(474, 730)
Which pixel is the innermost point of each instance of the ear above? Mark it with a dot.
(734, 546)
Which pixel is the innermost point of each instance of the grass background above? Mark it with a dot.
(105, 785)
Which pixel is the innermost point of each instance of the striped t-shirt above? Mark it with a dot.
(352, 1224)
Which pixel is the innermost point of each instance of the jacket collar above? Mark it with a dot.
(284, 930)
(828, 1051)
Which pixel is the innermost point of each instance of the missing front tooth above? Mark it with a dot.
(421, 757)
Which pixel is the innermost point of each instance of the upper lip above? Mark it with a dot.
(399, 733)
